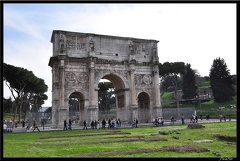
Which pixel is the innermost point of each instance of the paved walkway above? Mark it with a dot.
(77, 127)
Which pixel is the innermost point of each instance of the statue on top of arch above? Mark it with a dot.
(91, 45)
(131, 48)
(62, 42)
(154, 52)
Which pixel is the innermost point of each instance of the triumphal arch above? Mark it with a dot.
(81, 60)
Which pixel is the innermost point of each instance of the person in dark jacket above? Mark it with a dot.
(85, 124)
(70, 124)
(109, 123)
(65, 125)
(92, 124)
(136, 122)
(103, 123)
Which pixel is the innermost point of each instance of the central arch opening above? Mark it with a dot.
(111, 97)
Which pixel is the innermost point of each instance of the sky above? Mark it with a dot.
(187, 32)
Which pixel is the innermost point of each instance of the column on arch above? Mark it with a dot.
(157, 110)
(134, 106)
(62, 111)
(93, 112)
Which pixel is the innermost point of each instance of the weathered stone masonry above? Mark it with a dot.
(80, 60)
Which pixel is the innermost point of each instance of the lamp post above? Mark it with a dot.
(199, 100)
(42, 118)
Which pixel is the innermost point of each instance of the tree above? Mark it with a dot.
(189, 88)
(166, 84)
(174, 70)
(7, 104)
(104, 95)
(23, 84)
(221, 81)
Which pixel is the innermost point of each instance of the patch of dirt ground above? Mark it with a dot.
(226, 138)
(104, 141)
(183, 148)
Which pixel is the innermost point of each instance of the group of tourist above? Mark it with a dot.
(222, 117)
(194, 119)
(112, 123)
(69, 127)
(135, 123)
(7, 126)
(95, 124)
(157, 121)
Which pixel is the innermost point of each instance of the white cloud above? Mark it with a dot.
(191, 33)
(23, 23)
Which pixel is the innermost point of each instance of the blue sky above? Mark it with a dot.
(191, 33)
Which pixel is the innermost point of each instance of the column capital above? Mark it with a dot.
(62, 56)
(155, 69)
(92, 65)
(132, 68)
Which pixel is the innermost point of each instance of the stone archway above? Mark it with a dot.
(121, 94)
(144, 112)
(76, 107)
(80, 60)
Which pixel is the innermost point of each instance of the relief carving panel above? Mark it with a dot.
(75, 43)
(77, 79)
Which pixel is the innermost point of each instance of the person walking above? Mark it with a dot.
(92, 124)
(113, 123)
(70, 124)
(85, 124)
(23, 123)
(172, 120)
(119, 123)
(136, 122)
(109, 123)
(9, 126)
(4, 128)
(182, 119)
(65, 125)
(224, 118)
(35, 126)
(220, 118)
(103, 123)
(95, 124)
(229, 117)
(161, 121)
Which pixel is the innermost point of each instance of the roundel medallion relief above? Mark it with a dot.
(83, 77)
(71, 77)
(147, 79)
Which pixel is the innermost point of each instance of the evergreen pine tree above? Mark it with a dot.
(221, 81)
(189, 87)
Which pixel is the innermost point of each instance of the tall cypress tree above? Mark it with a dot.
(189, 87)
(221, 81)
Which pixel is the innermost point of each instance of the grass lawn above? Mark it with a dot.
(179, 141)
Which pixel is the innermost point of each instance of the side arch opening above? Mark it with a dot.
(76, 107)
(144, 107)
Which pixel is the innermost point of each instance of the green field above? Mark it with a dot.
(210, 107)
(143, 142)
